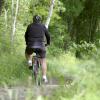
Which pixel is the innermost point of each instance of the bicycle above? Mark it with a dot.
(36, 71)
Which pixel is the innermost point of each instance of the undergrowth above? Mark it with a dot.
(78, 79)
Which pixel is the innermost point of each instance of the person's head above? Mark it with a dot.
(37, 19)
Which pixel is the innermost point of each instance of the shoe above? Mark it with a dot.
(45, 80)
(29, 63)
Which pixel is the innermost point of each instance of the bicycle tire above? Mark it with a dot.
(36, 71)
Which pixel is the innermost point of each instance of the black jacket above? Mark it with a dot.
(36, 32)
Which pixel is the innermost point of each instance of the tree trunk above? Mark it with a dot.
(14, 19)
(5, 30)
(50, 13)
(6, 11)
(12, 7)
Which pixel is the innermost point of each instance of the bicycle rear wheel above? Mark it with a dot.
(36, 71)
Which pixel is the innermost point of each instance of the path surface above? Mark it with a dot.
(28, 93)
(23, 93)
(31, 92)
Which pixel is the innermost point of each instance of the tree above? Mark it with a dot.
(50, 13)
(14, 20)
(83, 18)
(6, 14)
(86, 23)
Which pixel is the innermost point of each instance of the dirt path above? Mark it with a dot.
(28, 93)
(23, 93)
(31, 92)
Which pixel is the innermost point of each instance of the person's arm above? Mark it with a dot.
(26, 35)
(47, 36)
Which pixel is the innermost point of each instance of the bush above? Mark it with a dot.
(84, 49)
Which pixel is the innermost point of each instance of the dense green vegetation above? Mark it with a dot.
(73, 56)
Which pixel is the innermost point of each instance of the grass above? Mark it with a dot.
(85, 84)
(13, 69)
(79, 78)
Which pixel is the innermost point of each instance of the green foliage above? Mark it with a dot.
(71, 18)
(13, 69)
(39, 7)
(85, 81)
(82, 19)
(85, 49)
(1, 5)
(74, 7)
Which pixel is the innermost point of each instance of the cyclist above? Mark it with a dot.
(35, 42)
